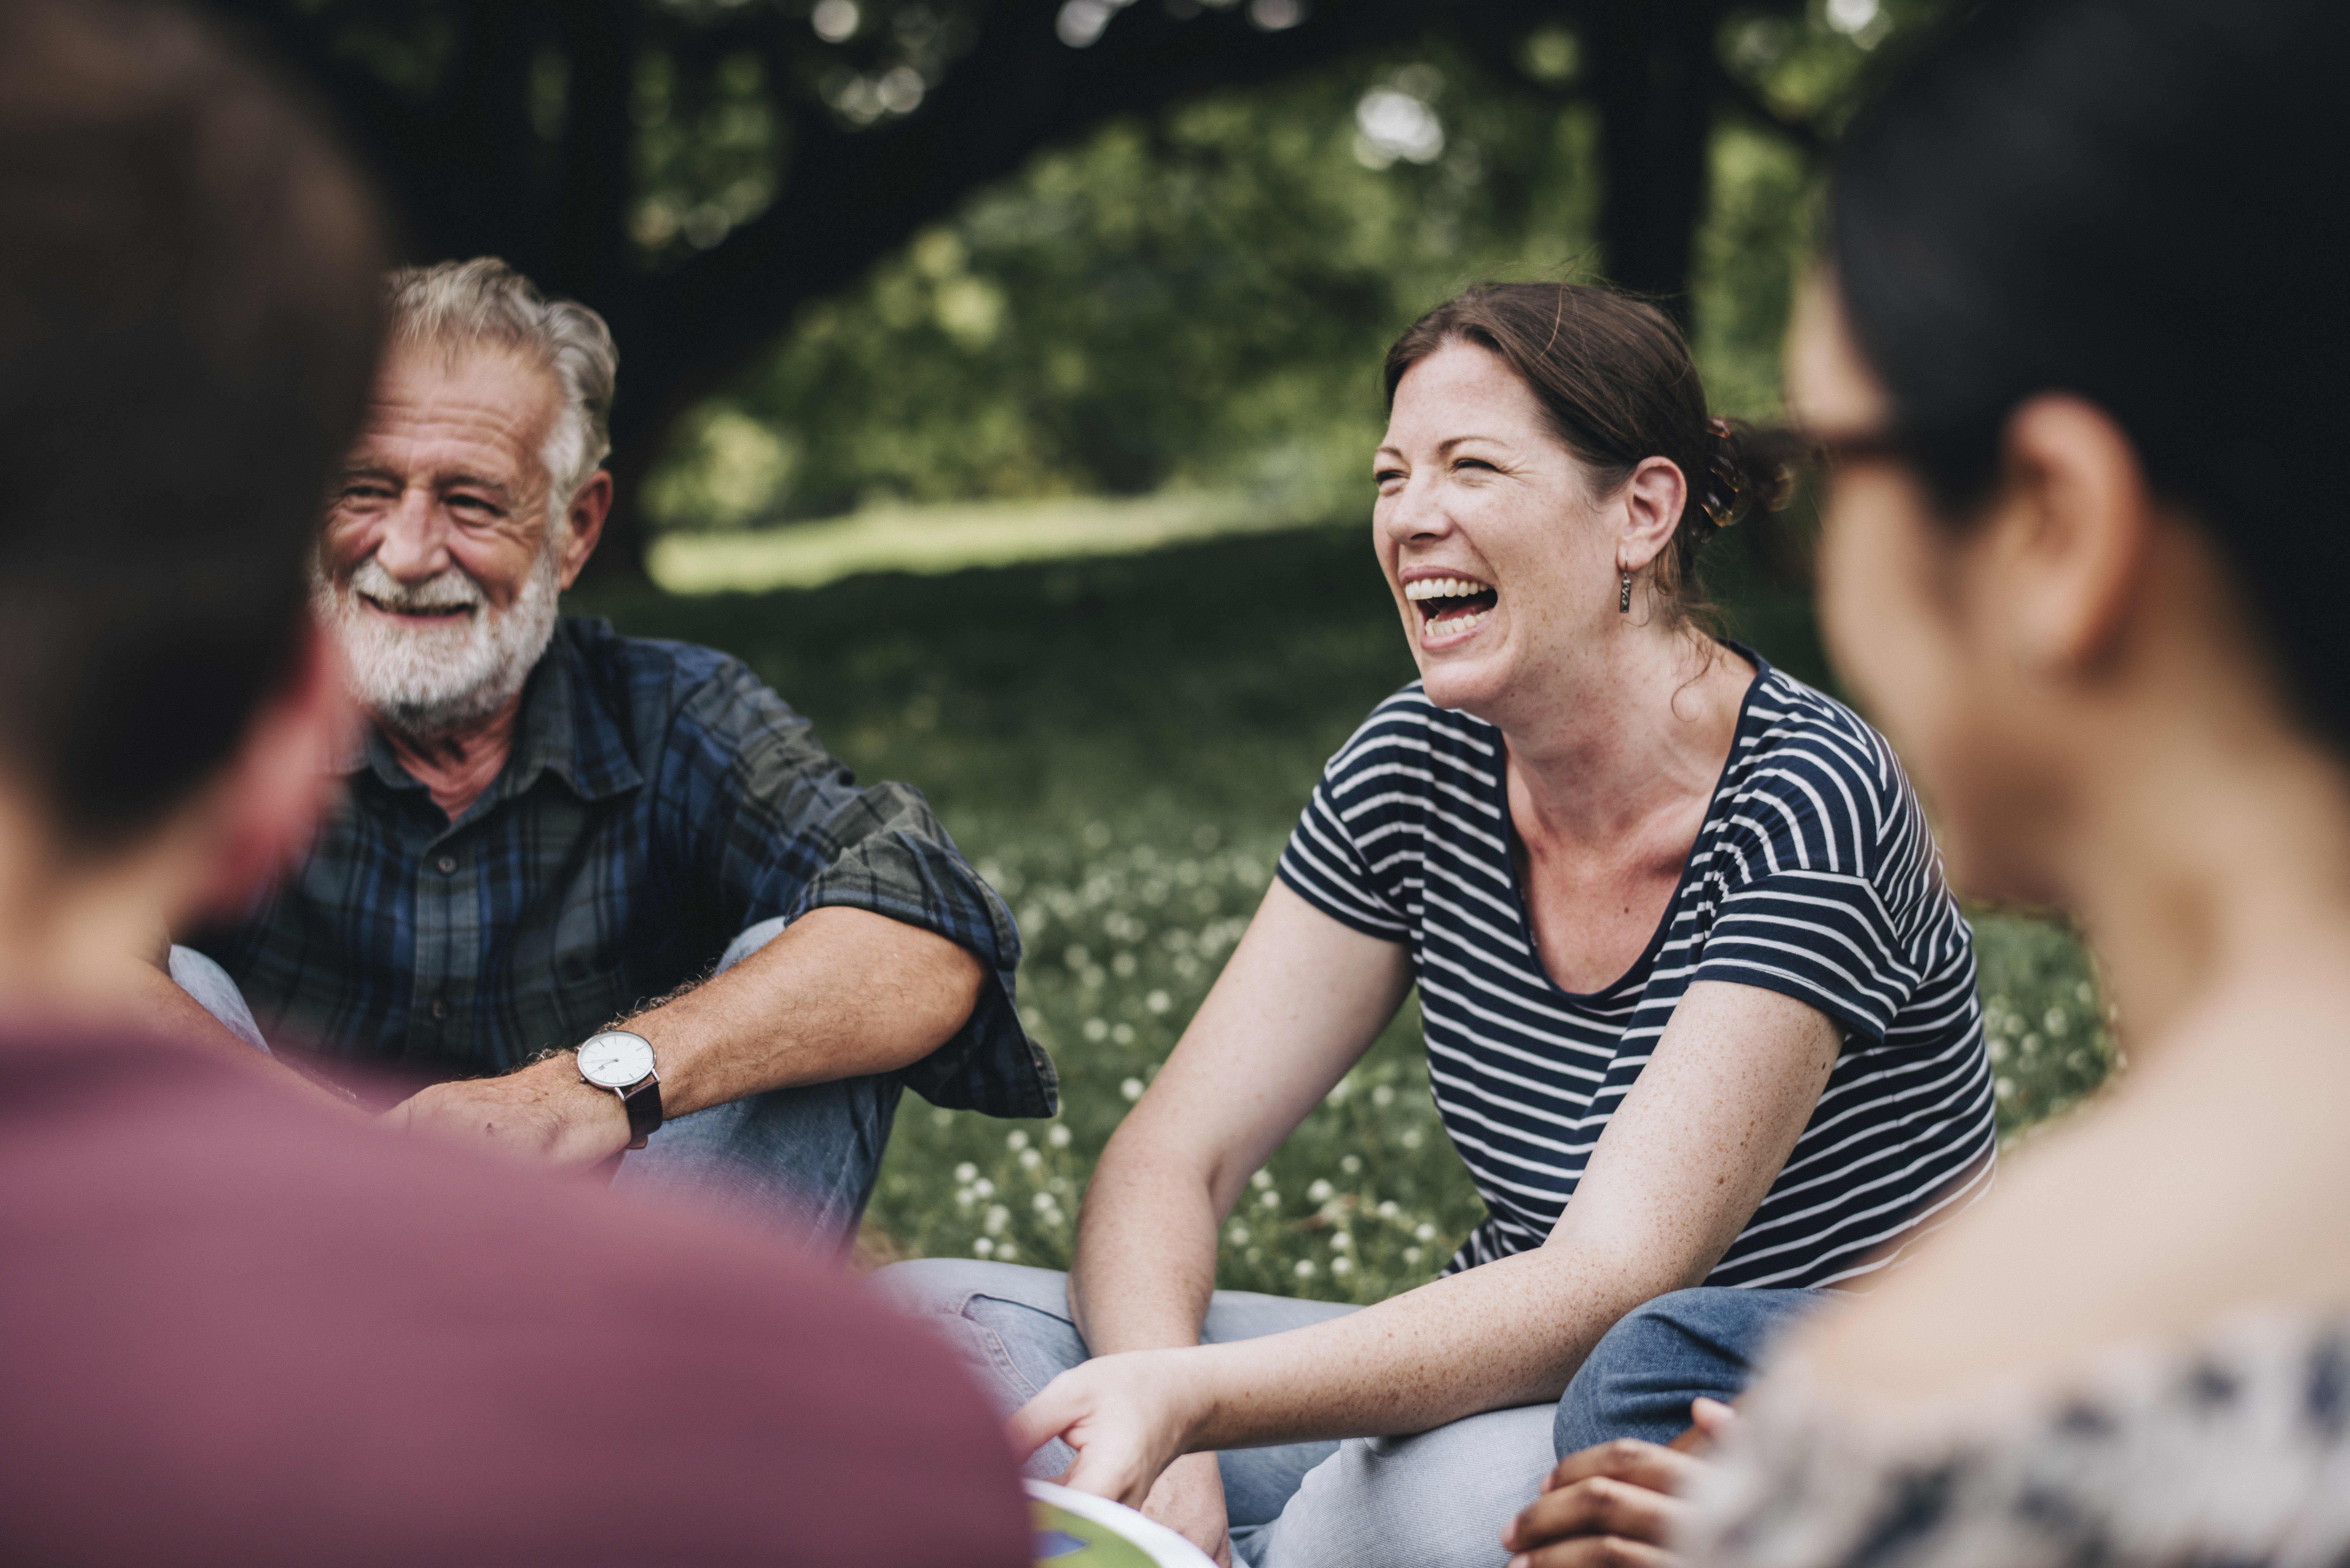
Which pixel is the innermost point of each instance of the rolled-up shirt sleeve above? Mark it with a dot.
(778, 825)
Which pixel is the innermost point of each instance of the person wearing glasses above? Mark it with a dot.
(1699, 1008)
(2084, 555)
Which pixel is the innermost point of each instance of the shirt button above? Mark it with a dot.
(440, 1008)
(448, 864)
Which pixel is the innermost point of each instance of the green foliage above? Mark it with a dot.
(1198, 299)
(1121, 746)
(1201, 298)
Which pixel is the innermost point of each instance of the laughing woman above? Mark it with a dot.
(1699, 1008)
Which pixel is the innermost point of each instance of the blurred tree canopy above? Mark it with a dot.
(946, 248)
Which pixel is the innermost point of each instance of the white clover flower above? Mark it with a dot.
(1030, 1160)
(1132, 1088)
(1341, 1241)
(1412, 1255)
(1058, 1136)
(998, 1217)
(1425, 1232)
(1006, 1253)
(1352, 1163)
(966, 1173)
(1238, 1233)
(1319, 1192)
(1268, 1199)
(982, 1187)
(982, 1247)
(1342, 1266)
(1390, 1210)
(1383, 1095)
(1097, 1029)
(1261, 1180)
(1410, 1138)
(1016, 1140)
(1304, 1267)
(1044, 1204)
(1158, 1002)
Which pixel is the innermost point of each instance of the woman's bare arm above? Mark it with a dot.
(1301, 1001)
(1676, 1176)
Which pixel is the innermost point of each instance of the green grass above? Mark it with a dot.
(1121, 746)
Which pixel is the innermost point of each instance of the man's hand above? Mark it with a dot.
(1615, 1505)
(543, 1113)
(1189, 1501)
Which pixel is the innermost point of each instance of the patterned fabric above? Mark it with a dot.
(659, 800)
(1813, 876)
(2230, 1449)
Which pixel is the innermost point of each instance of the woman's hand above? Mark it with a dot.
(1189, 1501)
(1615, 1504)
(1129, 1416)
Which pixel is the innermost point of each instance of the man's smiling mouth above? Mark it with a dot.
(417, 612)
(1448, 605)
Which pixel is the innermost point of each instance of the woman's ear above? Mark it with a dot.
(2073, 527)
(258, 815)
(1649, 507)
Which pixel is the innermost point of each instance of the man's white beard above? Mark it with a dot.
(426, 680)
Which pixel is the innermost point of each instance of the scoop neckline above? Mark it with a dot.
(1509, 842)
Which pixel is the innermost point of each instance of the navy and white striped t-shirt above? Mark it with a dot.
(1815, 876)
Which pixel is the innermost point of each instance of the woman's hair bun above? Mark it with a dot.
(1744, 468)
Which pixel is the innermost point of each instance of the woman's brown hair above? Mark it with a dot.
(1614, 378)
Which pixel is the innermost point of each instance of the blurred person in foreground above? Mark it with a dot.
(1699, 1008)
(245, 1329)
(548, 824)
(2075, 353)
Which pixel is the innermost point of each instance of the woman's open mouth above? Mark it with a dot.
(1451, 606)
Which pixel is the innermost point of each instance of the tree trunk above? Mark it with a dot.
(1656, 78)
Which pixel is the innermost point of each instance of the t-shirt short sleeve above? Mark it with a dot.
(1827, 881)
(1361, 837)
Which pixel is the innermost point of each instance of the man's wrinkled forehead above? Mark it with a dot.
(438, 401)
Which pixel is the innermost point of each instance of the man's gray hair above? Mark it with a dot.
(484, 300)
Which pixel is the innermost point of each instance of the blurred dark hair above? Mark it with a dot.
(2137, 202)
(1614, 378)
(188, 315)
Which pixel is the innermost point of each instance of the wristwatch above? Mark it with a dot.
(623, 1063)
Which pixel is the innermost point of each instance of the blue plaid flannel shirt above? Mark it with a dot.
(659, 800)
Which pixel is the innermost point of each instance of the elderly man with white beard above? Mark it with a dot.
(548, 824)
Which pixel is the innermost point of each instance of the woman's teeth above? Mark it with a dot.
(1452, 605)
(1445, 588)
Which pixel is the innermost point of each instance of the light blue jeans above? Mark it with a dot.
(799, 1163)
(1432, 1500)
(1435, 1500)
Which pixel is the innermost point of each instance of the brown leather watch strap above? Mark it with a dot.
(644, 1106)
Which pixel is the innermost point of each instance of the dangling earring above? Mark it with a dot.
(1624, 599)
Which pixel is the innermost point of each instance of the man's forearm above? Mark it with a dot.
(841, 993)
(155, 1002)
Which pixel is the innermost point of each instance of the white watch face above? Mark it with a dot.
(616, 1058)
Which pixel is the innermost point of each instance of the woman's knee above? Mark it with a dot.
(1431, 1500)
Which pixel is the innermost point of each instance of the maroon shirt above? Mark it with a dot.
(234, 1329)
